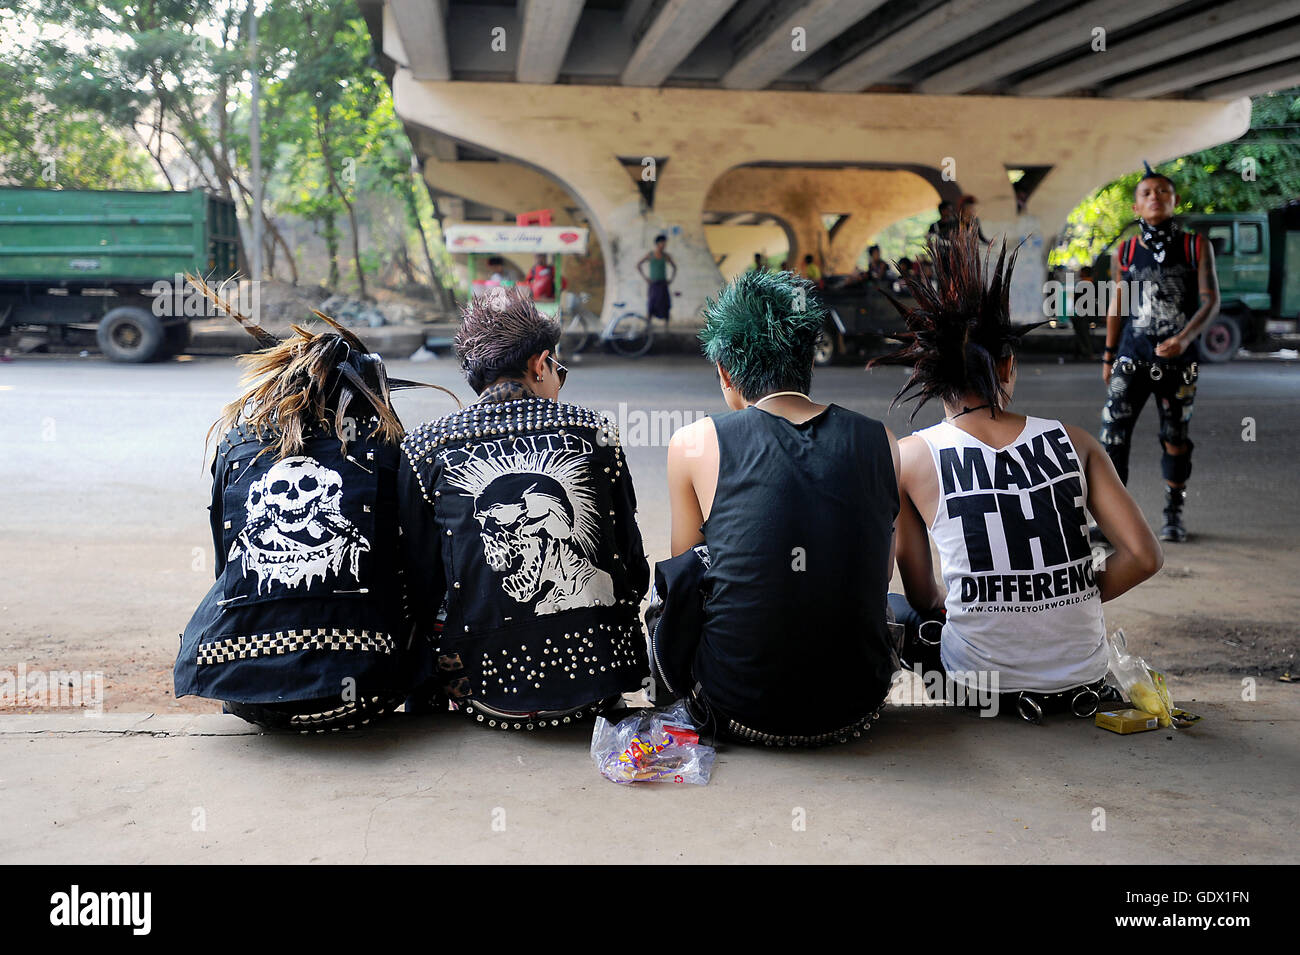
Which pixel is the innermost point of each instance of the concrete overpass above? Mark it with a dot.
(646, 113)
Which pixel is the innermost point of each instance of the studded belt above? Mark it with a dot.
(1083, 701)
(739, 731)
(1157, 370)
(504, 720)
(854, 730)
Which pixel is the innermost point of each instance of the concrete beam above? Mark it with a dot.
(768, 54)
(576, 133)
(1176, 38)
(1042, 42)
(675, 32)
(942, 27)
(502, 185)
(1280, 77)
(548, 29)
(1223, 61)
(421, 37)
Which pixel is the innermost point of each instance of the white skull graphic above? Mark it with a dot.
(521, 515)
(294, 490)
(296, 531)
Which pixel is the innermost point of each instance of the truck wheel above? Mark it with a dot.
(176, 338)
(824, 348)
(1221, 340)
(130, 334)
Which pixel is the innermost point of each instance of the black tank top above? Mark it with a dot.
(1165, 302)
(794, 638)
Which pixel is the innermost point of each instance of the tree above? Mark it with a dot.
(1255, 173)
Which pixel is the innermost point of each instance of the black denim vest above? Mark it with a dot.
(308, 602)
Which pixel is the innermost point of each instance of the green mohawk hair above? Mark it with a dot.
(762, 329)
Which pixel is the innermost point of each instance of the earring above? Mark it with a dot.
(539, 377)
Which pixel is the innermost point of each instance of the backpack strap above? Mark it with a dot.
(1126, 252)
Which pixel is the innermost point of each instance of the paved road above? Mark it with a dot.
(104, 547)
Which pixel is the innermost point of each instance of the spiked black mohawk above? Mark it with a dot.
(960, 326)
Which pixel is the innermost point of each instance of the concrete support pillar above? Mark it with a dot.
(870, 199)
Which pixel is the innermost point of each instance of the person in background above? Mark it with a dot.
(1005, 497)
(541, 279)
(1154, 350)
(966, 216)
(1081, 325)
(947, 220)
(796, 502)
(501, 274)
(811, 272)
(658, 279)
(759, 265)
(877, 268)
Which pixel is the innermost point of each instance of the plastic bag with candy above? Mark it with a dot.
(1137, 680)
(652, 746)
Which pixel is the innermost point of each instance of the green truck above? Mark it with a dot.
(1257, 257)
(110, 260)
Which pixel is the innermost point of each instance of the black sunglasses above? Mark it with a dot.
(560, 370)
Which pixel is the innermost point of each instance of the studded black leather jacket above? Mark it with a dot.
(308, 600)
(521, 516)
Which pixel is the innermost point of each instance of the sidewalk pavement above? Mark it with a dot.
(931, 785)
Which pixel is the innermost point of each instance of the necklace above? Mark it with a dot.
(778, 394)
(966, 410)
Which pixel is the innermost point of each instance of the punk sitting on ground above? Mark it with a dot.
(1005, 498)
(796, 502)
(305, 627)
(520, 526)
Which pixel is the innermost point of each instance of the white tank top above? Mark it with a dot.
(1012, 535)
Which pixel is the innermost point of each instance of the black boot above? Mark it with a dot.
(1174, 529)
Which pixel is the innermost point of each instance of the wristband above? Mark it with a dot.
(1108, 361)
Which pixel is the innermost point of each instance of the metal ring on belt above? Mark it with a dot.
(1084, 701)
(920, 633)
(1029, 708)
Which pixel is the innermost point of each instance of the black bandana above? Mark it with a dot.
(1159, 238)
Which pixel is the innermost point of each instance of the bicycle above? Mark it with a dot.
(576, 323)
(630, 334)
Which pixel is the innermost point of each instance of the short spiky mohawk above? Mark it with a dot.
(762, 329)
(960, 326)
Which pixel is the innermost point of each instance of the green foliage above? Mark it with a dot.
(903, 239)
(1208, 181)
(155, 94)
(45, 145)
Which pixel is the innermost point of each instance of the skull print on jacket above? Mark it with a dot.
(521, 515)
(309, 597)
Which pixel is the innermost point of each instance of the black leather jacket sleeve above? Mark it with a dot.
(421, 545)
(215, 516)
(627, 532)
